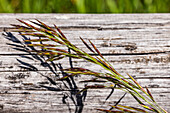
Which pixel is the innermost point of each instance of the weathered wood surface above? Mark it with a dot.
(138, 44)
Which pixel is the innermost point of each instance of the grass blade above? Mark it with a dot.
(149, 108)
(137, 83)
(93, 80)
(55, 58)
(45, 26)
(110, 111)
(34, 34)
(60, 32)
(136, 98)
(96, 49)
(133, 108)
(43, 45)
(36, 40)
(150, 94)
(76, 69)
(87, 45)
(55, 49)
(20, 27)
(123, 109)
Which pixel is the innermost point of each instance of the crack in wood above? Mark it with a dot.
(104, 54)
(79, 28)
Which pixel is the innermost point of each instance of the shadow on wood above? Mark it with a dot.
(74, 95)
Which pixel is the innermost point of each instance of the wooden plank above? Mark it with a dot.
(112, 42)
(20, 78)
(138, 44)
(43, 100)
(92, 20)
(139, 66)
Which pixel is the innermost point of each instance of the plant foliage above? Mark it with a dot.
(84, 6)
(54, 52)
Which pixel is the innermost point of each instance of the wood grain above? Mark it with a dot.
(138, 44)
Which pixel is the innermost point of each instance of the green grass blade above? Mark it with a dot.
(110, 111)
(55, 49)
(150, 94)
(76, 69)
(149, 108)
(123, 109)
(136, 98)
(46, 26)
(133, 108)
(34, 34)
(87, 45)
(36, 40)
(93, 80)
(96, 49)
(55, 58)
(137, 83)
(43, 45)
(20, 26)
(60, 31)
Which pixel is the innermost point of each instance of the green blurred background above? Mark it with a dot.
(84, 6)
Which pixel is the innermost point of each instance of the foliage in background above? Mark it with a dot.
(55, 51)
(84, 6)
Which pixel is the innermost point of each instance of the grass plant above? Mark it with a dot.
(53, 52)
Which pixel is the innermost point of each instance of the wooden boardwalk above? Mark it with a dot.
(138, 44)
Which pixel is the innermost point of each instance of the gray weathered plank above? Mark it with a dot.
(114, 42)
(138, 44)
